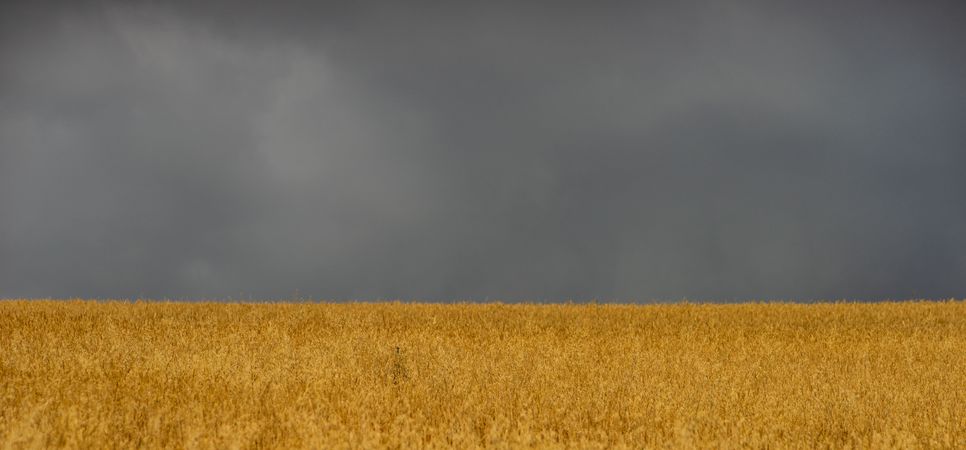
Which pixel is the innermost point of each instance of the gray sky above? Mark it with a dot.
(711, 150)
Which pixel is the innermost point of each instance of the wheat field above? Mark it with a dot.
(83, 374)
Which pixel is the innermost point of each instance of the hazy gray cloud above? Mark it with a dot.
(709, 150)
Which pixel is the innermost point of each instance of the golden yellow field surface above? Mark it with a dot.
(96, 375)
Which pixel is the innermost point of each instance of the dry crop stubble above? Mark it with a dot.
(114, 374)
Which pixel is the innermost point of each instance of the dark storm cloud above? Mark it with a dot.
(714, 150)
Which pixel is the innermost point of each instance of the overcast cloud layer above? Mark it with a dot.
(710, 150)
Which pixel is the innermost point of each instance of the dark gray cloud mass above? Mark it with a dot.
(516, 151)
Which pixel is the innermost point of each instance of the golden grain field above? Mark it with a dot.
(150, 375)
